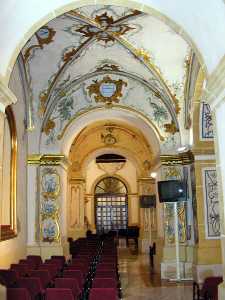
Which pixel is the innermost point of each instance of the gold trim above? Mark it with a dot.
(95, 88)
(149, 179)
(149, 122)
(141, 54)
(46, 159)
(185, 158)
(10, 230)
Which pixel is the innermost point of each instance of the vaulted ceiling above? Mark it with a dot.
(104, 56)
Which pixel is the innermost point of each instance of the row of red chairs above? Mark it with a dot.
(105, 283)
(89, 268)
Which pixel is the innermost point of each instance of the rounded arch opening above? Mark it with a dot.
(114, 114)
(111, 205)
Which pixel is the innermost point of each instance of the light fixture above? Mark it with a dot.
(153, 174)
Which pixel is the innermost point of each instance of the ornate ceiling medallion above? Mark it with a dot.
(44, 36)
(108, 139)
(107, 90)
(106, 27)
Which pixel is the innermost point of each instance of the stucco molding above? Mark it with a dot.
(214, 92)
(6, 97)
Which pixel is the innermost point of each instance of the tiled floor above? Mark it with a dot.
(139, 284)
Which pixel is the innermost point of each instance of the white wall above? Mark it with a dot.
(13, 250)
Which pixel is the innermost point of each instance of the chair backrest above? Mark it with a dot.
(59, 294)
(103, 293)
(31, 264)
(210, 286)
(82, 269)
(80, 261)
(43, 275)
(36, 259)
(69, 283)
(22, 269)
(50, 267)
(104, 283)
(75, 274)
(106, 274)
(18, 294)
(32, 284)
(9, 277)
(109, 266)
(60, 257)
(58, 263)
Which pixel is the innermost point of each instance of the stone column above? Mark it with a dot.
(148, 228)
(47, 205)
(33, 247)
(90, 211)
(177, 167)
(76, 208)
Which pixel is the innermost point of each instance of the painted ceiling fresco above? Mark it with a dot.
(106, 56)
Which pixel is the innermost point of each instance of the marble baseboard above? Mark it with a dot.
(169, 270)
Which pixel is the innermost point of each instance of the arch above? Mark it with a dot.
(118, 178)
(166, 98)
(204, 46)
(105, 150)
(118, 114)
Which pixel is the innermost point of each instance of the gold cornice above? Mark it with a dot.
(46, 159)
(184, 158)
(149, 179)
(78, 179)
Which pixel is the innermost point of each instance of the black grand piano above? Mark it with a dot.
(131, 232)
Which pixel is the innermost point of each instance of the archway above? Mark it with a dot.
(111, 205)
(56, 149)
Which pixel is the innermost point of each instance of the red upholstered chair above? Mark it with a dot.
(80, 261)
(75, 274)
(58, 263)
(35, 259)
(43, 275)
(209, 288)
(9, 278)
(31, 264)
(60, 257)
(80, 268)
(103, 294)
(18, 294)
(104, 283)
(22, 269)
(106, 274)
(51, 268)
(33, 285)
(59, 294)
(106, 266)
(69, 283)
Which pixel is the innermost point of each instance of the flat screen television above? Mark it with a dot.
(147, 201)
(172, 191)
